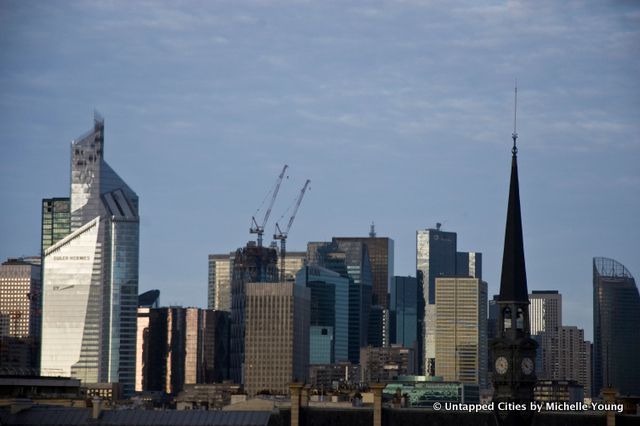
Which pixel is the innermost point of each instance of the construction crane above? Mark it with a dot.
(259, 229)
(282, 236)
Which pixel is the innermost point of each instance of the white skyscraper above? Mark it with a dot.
(90, 278)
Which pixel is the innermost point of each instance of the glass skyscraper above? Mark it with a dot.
(405, 295)
(616, 318)
(90, 276)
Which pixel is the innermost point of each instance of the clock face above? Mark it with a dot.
(501, 365)
(527, 366)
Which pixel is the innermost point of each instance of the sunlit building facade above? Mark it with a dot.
(90, 277)
(461, 330)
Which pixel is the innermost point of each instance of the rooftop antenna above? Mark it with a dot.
(514, 135)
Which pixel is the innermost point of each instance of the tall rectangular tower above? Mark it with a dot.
(90, 277)
(461, 330)
(436, 253)
(277, 336)
(545, 314)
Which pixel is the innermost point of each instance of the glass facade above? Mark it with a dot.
(404, 311)
(219, 288)
(56, 220)
(435, 257)
(350, 259)
(90, 277)
(329, 306)
(320, 344)
(616, 316)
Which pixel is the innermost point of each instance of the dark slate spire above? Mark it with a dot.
(513, 283)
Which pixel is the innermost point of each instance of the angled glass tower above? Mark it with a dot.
(90, 277)
(616, 318)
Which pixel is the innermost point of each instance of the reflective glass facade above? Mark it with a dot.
(320, 344)
(329, 306)
(90, 277)
(616, 316)
(404, 311)
(56, 220)
(219, 288)
(435, 256)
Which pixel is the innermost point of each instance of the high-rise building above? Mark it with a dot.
(90, 277)
(616, 318)
(219, 288)
(545, 314)
(293, 262)
(461, 330)
(20, 304)
(381, 258)
(435, 257)
(350, 259)
(179, 346)
(252, 263)
(404, 301)
(56, 220)
(574, 357)
(329, 307)
(276, 336)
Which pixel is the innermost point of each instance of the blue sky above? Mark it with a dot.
(400, 112)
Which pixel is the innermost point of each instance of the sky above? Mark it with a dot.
(400, 113)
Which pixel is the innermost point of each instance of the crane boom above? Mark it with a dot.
(282, 236)
(259, 229)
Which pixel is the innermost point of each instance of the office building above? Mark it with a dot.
(574, 357)
(219, 288)
(404, 306)
(435, 257)
(20, 304)
(349, 259)
(321, 344)
(276, 336)
(179, 346)
(616, 318)
(381, 258)
(90, 277)
(251, 263)
(384, 364)
(331, 376)
(545, 314)
(329, 307)
(293, 262)
(461, 330)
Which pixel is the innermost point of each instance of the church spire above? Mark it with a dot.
(513, 283)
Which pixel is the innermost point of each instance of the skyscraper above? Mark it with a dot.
(251, 263)
(90, 277)
(350, 259)
(574, 357)
(20, 304)
(461, 330)
(329, 307)
(616, 318)
(276, 336)
(219, 288)
(545, 314)
(56, 220)
(404, 301)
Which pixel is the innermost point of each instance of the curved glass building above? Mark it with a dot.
(616, 319)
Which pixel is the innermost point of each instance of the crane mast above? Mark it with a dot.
(259, 228)
(282, 236)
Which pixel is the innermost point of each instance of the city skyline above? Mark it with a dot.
(399, 113)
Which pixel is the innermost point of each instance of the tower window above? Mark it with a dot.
(520, 320)
(506, 317)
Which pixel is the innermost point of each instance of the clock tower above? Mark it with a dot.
(513, 349)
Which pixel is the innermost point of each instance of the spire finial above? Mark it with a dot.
(514, 135)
